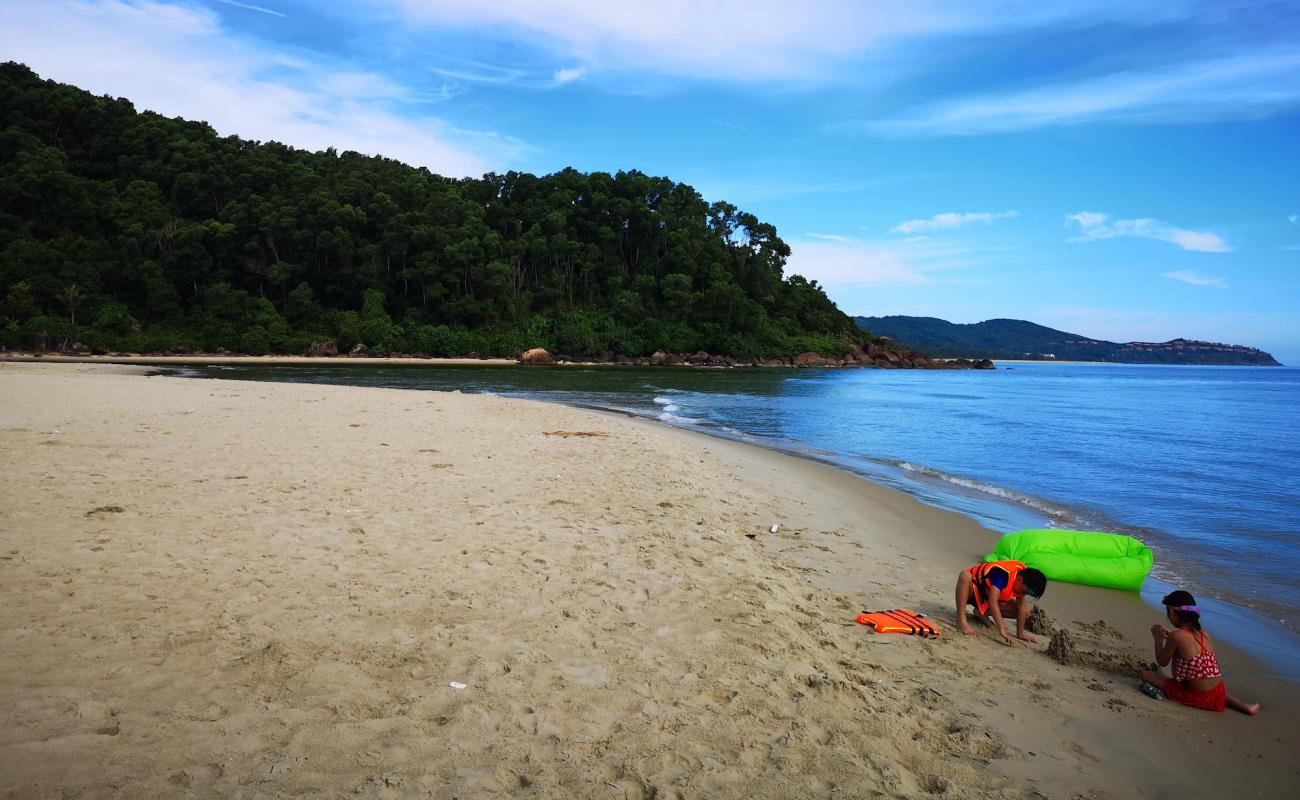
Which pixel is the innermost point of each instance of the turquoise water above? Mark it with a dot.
(1201, 463)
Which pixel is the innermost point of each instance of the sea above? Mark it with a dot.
(1201, 463)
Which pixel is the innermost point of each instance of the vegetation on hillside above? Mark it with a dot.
(132, 231)
(1018, 339)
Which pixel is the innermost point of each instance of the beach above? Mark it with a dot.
(220, 588)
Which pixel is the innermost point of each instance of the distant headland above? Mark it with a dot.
(1019, 339)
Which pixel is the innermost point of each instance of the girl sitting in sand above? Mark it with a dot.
(1197, 681)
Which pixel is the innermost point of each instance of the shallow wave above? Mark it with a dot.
(668, 405)
(1057, 512)
(673, 419)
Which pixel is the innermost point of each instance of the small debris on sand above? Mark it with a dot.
(567, 434)
(105, 510)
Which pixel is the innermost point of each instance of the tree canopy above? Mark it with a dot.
(131, 231)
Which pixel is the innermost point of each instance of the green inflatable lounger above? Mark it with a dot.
(1087, 557)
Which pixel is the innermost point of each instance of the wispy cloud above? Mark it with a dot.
(843, 261)
(1094, 225)
(950, 220)
(569, 75)
(750, 40)
(178, 60)
(1196, 279)
(529, 78)
(1293, 219)
(1231, 87)
(259, 9)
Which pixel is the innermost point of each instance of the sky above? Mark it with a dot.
(1122, 170)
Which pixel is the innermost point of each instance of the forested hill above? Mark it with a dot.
(1018, 339)
(132, 231)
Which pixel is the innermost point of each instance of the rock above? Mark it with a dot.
(323, 349)
(674, 360)
(809, 359)
(700, 357)
(536, 355)
(221, 351)
(360, 351)
(1062, 649)
(624, 360)
(179, 350)
(658, 358)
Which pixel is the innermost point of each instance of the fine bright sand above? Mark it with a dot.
(225, 589)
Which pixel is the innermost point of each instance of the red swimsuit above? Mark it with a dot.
(1203, 665)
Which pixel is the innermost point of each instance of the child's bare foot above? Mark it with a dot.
(967, 629)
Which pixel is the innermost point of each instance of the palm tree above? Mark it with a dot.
(71, 297)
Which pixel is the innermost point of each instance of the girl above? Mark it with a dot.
(1197, 681)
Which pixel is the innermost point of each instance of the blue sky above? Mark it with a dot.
(1117, 169)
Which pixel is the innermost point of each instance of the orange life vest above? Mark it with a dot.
(980, 572)
(898, 621)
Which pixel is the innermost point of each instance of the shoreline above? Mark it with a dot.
(656, 644)
(677, 360)
(1265, 637)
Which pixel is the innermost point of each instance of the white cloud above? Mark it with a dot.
(1293, 219)
(259, 9)
(1231, 87)
(841, 261)
(1094, 225)
(1195, 279)
(569, 75)
(745, 39)
(179, 61)
(952, 220)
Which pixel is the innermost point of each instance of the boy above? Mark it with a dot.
(998, 589)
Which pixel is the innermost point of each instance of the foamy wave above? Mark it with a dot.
(1055, 511)
(673, 419)
(668, 404)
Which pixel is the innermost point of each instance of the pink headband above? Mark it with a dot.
(1186, 608)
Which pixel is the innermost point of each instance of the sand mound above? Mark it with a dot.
(1040, 622)
(1061, 649)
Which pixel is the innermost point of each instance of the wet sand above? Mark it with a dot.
(216, 588)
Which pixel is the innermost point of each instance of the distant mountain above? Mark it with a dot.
(1018, 339)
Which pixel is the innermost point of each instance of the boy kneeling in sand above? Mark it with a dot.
(999, 589)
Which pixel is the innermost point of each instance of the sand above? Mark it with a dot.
(231, 589)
